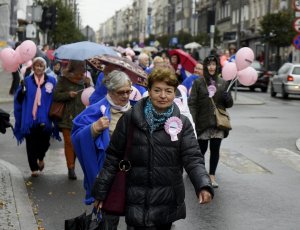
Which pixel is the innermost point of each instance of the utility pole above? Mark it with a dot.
(267, 45)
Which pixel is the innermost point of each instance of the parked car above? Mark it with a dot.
(263, 78)
(286, 81)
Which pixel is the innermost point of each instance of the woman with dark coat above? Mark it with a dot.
(163, 143)
(212, 86)
(68, 90)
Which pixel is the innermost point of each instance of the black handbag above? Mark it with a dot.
(84, 222)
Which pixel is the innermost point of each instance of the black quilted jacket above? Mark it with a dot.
(155, 189)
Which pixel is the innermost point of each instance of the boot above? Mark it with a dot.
(71, 174)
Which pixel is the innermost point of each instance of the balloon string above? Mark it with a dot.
(231, 83)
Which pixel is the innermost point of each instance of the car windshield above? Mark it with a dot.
(256, 65)
(296, 70)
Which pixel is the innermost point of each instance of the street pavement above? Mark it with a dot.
(16, 212)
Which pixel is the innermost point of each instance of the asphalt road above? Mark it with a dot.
(258, 174)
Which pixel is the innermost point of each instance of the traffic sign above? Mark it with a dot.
(297, 5)
(296, 41)
(296, 25)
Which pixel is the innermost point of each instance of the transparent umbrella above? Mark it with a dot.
(82, 51)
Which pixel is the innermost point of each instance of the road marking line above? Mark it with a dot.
(287, 157)
(240, 163)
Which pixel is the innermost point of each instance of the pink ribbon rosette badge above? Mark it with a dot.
(49, 87)
(211, 90)
(173, 126)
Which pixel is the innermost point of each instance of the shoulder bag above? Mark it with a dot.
(222, 117)
(56, 110)
(115, 201)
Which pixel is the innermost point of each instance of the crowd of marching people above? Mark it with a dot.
(171, 118)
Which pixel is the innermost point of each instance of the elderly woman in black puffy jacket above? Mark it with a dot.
(163, 142)
(207, 92)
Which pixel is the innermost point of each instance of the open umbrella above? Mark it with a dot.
(186, 60)
(150, 49)
(82, 51)
(134, 71)
(192, 45)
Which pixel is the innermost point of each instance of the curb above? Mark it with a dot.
(24, 208)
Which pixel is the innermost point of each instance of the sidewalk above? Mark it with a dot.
(15, 209)
(5, 83)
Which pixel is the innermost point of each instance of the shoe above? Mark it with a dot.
(71, 174)
(213, 181)
(41, 165)
(214, 184)
(34, 174)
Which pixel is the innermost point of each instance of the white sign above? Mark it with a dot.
(30, 31)
(296, 25)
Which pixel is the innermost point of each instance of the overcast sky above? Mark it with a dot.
(94, 12)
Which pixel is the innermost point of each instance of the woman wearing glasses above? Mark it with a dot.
(163, 142)
(93, 127)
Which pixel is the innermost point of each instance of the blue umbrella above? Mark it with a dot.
(82, 50)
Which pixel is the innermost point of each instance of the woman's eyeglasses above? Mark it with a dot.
(123, 93)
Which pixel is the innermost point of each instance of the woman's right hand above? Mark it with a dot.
(98, 204)
(72, 94)
(101, 124)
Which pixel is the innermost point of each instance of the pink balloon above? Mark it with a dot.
(8, 57)
(12, 68)
(86, 95)
(244, 58)
(27, 50)
(229, 71)
(247, 76)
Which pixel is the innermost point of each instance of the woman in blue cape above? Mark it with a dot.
(31, 107)
(93, 127)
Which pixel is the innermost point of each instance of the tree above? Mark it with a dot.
(65, 31)
(277, 29)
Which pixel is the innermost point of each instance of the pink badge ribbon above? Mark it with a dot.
(102, 109)
(49, 87)
(211, 90)
(173, 126)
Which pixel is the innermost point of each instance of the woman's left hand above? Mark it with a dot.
(204, 197)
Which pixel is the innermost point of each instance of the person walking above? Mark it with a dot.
(163, 142)
(188, 82)
(68, 90)
(31, 107)
(211, 87)
(92, 130)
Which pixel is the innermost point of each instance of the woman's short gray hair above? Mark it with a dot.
(116, 79)
(41, 60)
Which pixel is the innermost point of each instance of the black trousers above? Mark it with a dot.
(161, 227)
(37, 144)
(214, 147)
(15, 83)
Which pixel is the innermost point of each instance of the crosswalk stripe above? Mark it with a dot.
(289, 158)
(240, 163)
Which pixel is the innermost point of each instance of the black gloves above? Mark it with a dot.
(226, 96)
